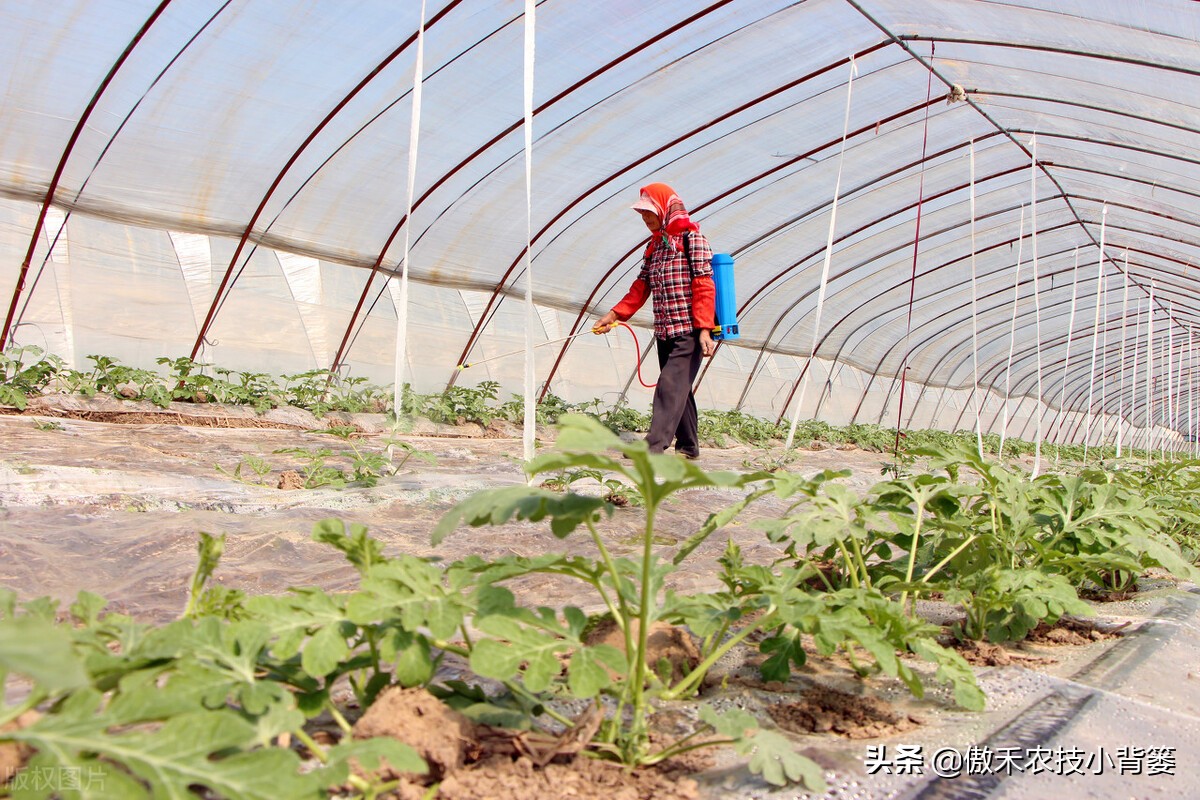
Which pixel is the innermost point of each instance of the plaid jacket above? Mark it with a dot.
(683, 296)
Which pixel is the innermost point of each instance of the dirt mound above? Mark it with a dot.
(438, 733)
(1073, 632)
(290, 479)
(665, 645)
(477, 761)
(986, 654)
(825, 710)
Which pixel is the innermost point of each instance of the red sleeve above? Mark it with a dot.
(704, 300)
(632, 301)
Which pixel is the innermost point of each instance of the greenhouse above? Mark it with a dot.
(319, 479)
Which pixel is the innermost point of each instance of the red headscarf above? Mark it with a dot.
(671, 212)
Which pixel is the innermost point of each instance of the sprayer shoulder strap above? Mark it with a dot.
(687, 252)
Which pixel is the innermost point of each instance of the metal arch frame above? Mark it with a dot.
(1053, 342)
(789, 162)
(309, 139)
(80, 124)
(117, 132)
(746, 306)
(1046, 164)
(917, 346)
(1065, 51)
(1025, 350)
(496, 293)
(376, 267)
(1009, 132)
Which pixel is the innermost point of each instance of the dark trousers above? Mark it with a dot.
(674, 417)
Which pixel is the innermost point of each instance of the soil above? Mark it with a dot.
(116, 509)
(825, 710)
(1071, 631)
(665, 644)
(470, 761)
(13, 755)
(986, 654)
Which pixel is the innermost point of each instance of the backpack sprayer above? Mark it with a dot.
(726, 304)
(725, 330)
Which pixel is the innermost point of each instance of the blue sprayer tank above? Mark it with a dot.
(727, 324)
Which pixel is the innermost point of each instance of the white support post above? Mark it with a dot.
(1037, 303)
(529, 428)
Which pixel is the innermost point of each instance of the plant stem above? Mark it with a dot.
(851, 567)
(621, 616)
(948, 558)
(647, 600)
(912, 553)
(696, 675)
(9, 714)
(316, 749)
(337, 717)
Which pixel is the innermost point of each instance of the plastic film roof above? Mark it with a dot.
(240, 169)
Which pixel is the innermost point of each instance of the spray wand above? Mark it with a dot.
(466, 365)
(636, 345)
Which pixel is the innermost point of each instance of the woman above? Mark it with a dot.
(683, 305)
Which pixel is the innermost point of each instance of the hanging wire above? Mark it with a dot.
(1037, 304)
(837, 189)
(1062, 397)
(912, 284)
(1012, 334)
(1087, 429)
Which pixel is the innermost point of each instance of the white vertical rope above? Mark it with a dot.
(837, 189)
(1191, 392)
(1103, 361)
(1037, 304)
(1124, 322)
(1012, 334)
(1062, 396)
(1137, 346)
(1087, 430)
(401, 298)
(530, 426)
(975, 319)
(1150, 374)
(1170, 351)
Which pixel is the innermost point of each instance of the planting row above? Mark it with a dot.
(26, 372)
(220, 698)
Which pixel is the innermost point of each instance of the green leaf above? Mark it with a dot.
(497, 506)
(771, 755)
(785, 650)
(501, 658)
(591, 668)
(32, 648)
(210, 749)
(372, 754)
(324, 651)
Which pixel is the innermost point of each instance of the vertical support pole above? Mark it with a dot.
(1124, 322)
(530, 421)
(400, 297)
(1037, 304)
